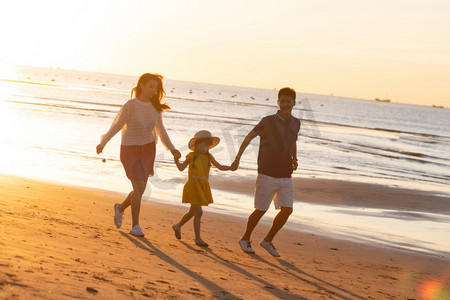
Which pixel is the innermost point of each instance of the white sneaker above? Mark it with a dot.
(117, 215)
(270, 248)
(137, 231)
(246, 246)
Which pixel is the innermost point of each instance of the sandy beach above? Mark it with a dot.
(59, 242)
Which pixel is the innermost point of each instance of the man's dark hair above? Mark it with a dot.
(287, 92)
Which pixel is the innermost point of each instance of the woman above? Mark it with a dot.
(140, 120)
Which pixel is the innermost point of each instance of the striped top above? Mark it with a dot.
(140, 123)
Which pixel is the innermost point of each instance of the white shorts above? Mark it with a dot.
(280, 190)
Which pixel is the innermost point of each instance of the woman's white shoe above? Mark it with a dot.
(137, 231)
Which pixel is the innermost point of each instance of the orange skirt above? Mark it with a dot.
(138, 160)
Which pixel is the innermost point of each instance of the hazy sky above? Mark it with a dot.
(397, 49)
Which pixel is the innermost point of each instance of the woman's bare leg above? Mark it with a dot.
(135, 199)
(127, 202)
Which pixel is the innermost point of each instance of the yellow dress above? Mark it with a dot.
(197, 191)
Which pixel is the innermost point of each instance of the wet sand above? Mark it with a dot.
(59, 242)
(347, 193)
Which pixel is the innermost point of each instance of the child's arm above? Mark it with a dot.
(182, 166)
(219, 166)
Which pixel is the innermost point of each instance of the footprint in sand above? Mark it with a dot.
(162, 281)
(387, 277)
(91, 291)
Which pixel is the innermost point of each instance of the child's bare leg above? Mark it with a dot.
(198, 211)
(187, 216)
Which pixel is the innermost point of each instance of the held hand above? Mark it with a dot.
(294, 164)
(99, 148)
(176, 154)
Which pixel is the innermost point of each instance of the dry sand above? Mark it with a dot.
(59, 242)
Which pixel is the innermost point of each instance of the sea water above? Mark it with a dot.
(52, 119)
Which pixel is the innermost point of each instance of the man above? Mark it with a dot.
(277, 158)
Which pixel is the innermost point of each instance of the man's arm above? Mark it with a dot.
(252, 134)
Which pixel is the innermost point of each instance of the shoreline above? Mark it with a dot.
(360, 212)
(59, 242)
(408, 219)
(348, 193)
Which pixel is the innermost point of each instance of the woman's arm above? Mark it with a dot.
(118, 123)
(219, 166)
(161, 130)
(182, 166)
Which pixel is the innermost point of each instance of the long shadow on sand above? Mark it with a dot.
(268, 287)
(342, 293)
(146, 245)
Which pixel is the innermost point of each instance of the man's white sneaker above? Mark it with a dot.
(117, 215)
(269, 248)
(246, 246)
(137, 231)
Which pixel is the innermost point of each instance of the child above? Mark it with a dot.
(197, 191)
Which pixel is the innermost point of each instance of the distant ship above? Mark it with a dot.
(383, 100)
(438, 106)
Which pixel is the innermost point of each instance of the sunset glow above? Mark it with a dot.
(434, 290)
(341, 186)
(361, 49)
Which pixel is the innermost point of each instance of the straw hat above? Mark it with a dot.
(203, 134)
